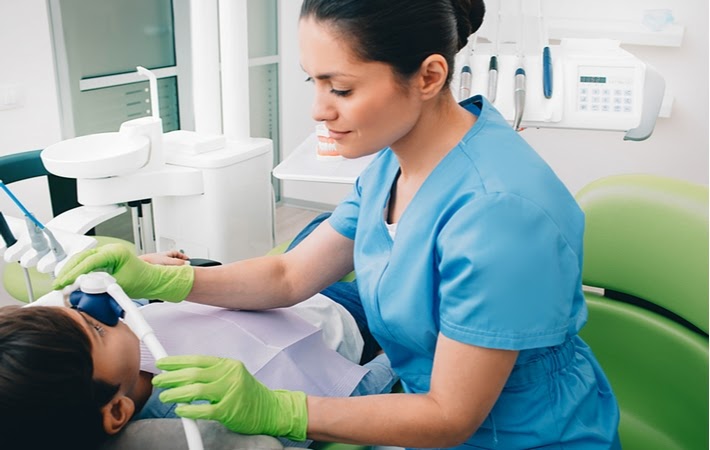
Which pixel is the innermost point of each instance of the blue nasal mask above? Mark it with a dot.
(101, 307)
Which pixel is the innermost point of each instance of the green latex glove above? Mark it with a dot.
(137, 278)
(237, 399)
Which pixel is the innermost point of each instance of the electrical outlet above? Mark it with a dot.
(11, 96)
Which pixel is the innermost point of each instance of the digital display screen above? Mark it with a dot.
(584, 79)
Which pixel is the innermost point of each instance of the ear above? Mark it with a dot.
(116, 413)
(432, 75)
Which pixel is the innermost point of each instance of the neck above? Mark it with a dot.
(142, 391)
(440, 127)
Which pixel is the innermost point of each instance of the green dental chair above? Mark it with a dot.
(22, 166)
(646, 248)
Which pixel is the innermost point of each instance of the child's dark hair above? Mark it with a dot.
(48, 397)
(402, 33)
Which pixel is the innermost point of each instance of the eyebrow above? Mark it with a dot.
(329, 75)
(92, 328)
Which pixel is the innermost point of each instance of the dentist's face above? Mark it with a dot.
(364, 105)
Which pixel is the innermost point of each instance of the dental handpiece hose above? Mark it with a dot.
(10, 240)
(6, 233)
(465, 88)
(492, 78)
(519, 92)
(519, 97)
(35, 229)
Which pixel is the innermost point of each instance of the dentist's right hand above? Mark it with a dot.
(137, 278)
(236, 398)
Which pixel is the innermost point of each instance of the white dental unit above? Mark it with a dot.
(590, 84)
(208, 191)
(211, 197)
(597, 85)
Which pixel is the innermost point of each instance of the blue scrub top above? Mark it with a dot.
(489, 253)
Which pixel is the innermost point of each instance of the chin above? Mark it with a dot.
(350, 153)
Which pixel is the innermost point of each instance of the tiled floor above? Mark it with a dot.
(290, 220)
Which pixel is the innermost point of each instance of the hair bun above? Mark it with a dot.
(469, 17)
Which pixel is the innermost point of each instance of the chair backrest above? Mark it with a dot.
(647, 236)
(26, 165)
(646, 246)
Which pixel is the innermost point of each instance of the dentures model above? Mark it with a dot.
(326, 145)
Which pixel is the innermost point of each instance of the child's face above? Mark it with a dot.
(115, 351)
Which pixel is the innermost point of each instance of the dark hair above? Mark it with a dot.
(402, 33)
(48, 397)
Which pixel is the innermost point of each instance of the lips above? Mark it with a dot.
(337, 134)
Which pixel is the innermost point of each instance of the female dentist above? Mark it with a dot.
(467, 249)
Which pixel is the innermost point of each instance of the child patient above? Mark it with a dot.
(69, 380)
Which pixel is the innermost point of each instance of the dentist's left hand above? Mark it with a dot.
(137, 278)
(237, 399)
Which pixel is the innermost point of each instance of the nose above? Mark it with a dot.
(323, 109)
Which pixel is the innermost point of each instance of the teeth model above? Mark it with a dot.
(326, 145)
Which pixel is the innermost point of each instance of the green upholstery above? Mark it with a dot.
(334, 446)
(659, 229)
(14, 280)
(22, 166)
(646, 245)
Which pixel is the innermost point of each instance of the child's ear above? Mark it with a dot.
(117, 413)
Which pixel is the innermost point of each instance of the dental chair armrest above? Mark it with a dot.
(202, 262)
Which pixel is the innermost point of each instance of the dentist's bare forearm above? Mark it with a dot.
(402, 420)
(259, 283)
(465, 384)
(280, 280)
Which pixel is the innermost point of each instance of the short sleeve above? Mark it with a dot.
(508, 277)
(344, 218)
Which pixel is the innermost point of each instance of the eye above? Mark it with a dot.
(340, 93)
(309, 80)
(99, 329)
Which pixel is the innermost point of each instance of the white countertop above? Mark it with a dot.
(303, 165)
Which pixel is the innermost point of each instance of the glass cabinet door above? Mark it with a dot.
(98, 44)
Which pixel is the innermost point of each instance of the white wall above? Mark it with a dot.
(27, 68)
(677, 148)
